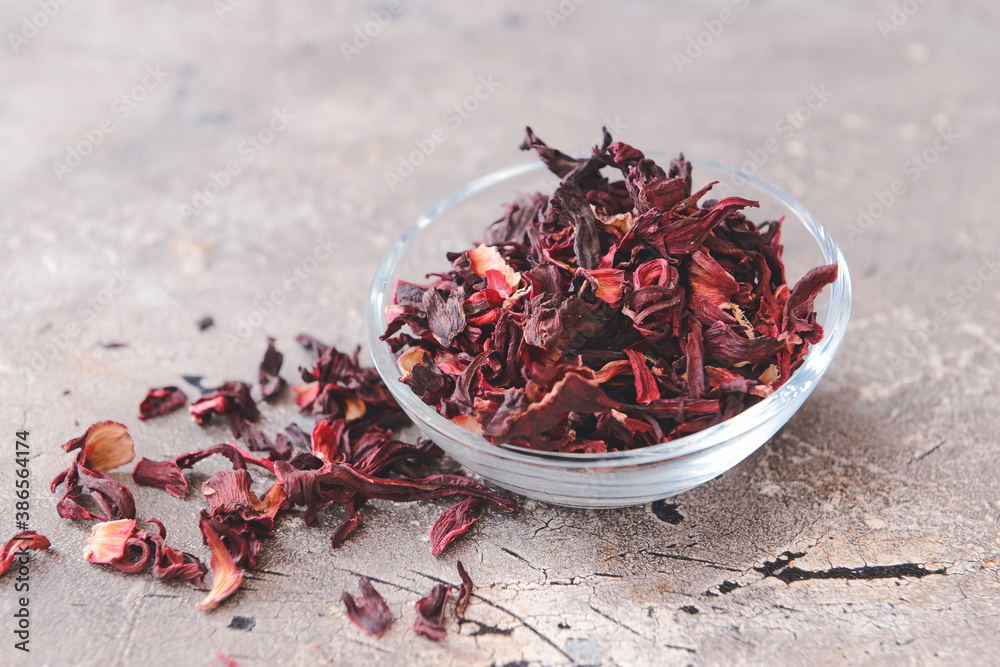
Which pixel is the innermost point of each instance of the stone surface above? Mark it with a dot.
(892, 462)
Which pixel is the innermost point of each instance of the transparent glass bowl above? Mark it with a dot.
(614, 479)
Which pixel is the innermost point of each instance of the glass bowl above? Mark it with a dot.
(613, 479)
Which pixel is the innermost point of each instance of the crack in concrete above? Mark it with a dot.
(694, 560)
(639, 634)
(780, 568)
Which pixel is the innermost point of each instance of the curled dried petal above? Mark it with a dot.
(107, 540)
(368, 612)
(464, 591)
(228, 491)
(162, 401)
(271, 383)
(164, 474)
(453, 522)
(430, 612)
(105, 446)
(226, 577)
(22, 541)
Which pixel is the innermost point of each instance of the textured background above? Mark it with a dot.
(893, 460)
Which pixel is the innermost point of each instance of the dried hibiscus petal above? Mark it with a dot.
(430, 612)
(368, 612)
(22, 541)
(230, 398)
(583, 307)
(107, 541)
(164, 474)
(229, 491)
(121, 545)
(226, 577)
(107, 444)
(159, 402)
(453, 522)
(271, 383)
(464, 591)
(336, 482)
(169, 474)
(103, 447)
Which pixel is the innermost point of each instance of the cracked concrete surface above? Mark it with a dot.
(865, 532)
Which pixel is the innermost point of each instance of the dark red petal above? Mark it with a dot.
(228, 491)
(453, 522)
(21, 542)
(464, 591)
(646, 389)
(271, 383)
(164, 474)
(368, 611)
(159, 402)
(350, 522)
(430, 612)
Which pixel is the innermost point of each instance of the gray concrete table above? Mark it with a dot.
(166, 160)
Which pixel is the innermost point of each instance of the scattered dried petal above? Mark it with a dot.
(453, 522)
(464, 592)
(430, 612)
(226, 577)
(105, 446)
(21, 542)
(368, 612)
(159, 402)
(107, 541)
(271, 383)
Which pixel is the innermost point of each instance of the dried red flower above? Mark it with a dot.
(368, 612)
(226, 577)
(159, 402)
(271, 383)
(603, 317)
(335, 482)
(22, 541)
(464, 592)
(453, 522)
(430, 612)
(168, 474)
(103, 447)
(121, 545)
(231, 398)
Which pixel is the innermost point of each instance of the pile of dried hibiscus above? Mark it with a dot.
(610, 315)
(349, 458)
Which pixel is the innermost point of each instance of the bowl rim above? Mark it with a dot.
(804, 379)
